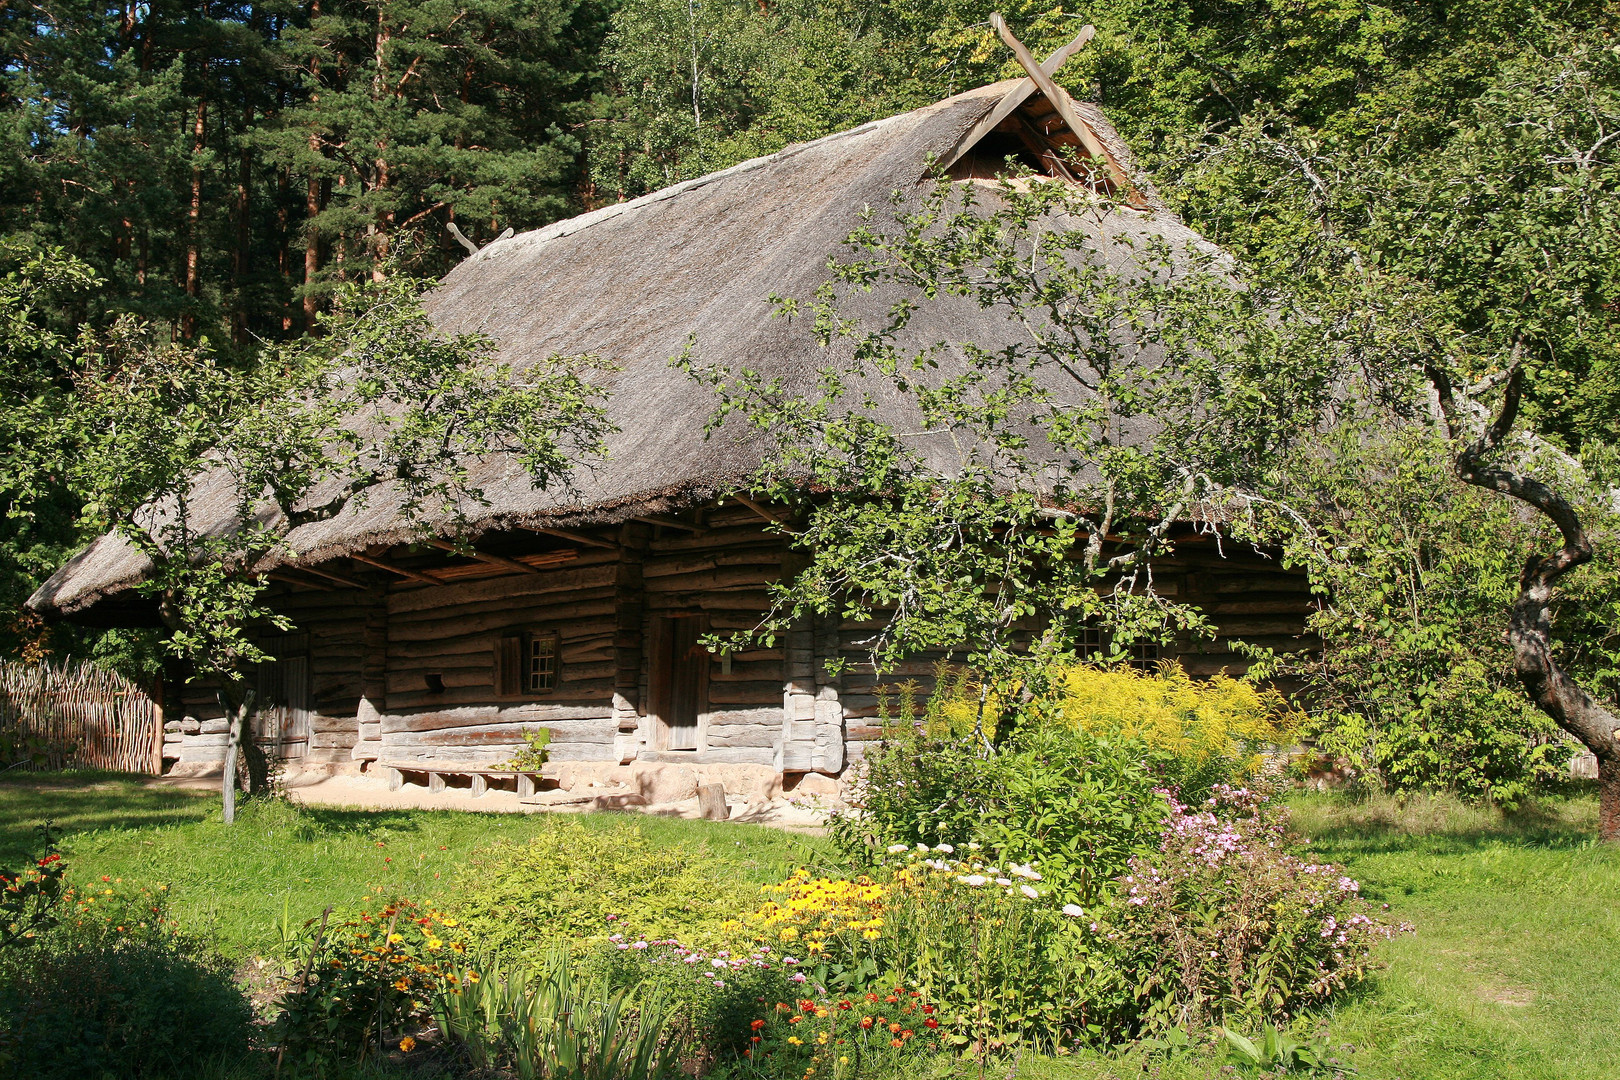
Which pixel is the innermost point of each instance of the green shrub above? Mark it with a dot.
(1413, 688)
(1204, 732)
(1223, 923)
(356, 984)
(1078, 805)
(114, 990)
(993, 949)
(583, 885)
(712, 993)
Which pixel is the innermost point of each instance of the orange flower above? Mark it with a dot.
(756, 1025)
(894, 1028)
(866, 1022)
(895, 1042)
(407, 1044)
(931, 1023)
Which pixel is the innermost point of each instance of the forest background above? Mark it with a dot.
(225, 168)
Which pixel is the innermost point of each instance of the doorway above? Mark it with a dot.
(281, 723)
(678, 680)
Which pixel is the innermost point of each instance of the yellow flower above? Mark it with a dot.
(795, 1040)
(407, 1044)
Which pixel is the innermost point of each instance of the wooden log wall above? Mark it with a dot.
(451, 633)
(723, 575)
(342, 625)
(406, 673)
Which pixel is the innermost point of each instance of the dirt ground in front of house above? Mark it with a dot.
(805, 813)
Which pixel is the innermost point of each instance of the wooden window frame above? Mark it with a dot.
(514, 659)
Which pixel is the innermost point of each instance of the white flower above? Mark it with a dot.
(1024, 871)
(895, 849)
(946, 848)
(1004, 882)
(1073, 911)
(1029, 891)
(973, 847)
(922, 847)
(975, 880)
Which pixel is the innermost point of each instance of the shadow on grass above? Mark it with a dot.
(1344, 825)
(86, 801)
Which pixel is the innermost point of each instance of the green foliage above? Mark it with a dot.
(1026, 473)
(218, 165)
(354, 984)
(29, 901)
(1414, 687)
(116, 990)
(549, 1024)
(1004, 962)
(1224, 922)
(572, 883)
(1077, 806)
(534, 753)
(1279, 1051)
(1214, 731)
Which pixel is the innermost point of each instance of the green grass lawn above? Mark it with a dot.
(278, 859)
(1513, 970)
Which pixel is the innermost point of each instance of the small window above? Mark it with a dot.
(1088, 645)
(527, 663)
(1144, 656)
(542, 663)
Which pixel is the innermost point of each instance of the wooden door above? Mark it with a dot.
(281, 719)
(679, 680)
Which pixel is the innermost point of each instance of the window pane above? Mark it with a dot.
(542, 662)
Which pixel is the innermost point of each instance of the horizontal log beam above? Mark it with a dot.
(484, 556)
(414, 575)
(671, 522)
(576, 537)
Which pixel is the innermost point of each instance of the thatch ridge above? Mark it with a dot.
(632, 282)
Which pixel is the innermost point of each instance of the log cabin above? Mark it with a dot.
(581, 611)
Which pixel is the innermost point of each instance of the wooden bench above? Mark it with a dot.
(528, 780)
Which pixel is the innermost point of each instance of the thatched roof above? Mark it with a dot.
(631, 283)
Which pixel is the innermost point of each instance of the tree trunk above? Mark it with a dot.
(188, 322)
(237, 702)
(1530, 625)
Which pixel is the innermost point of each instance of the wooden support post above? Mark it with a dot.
(759, 508)
(435, 782)
(293, 579)
(525, 785)
(339, 579)
(480, 784)
(396, 779)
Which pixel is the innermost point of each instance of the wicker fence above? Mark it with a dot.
(81, 716)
